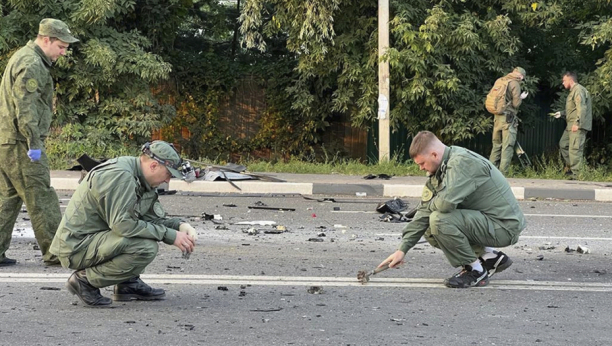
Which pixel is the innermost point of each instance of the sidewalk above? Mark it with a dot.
(336, 184)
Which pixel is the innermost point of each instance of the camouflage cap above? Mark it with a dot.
(165, 154)
(56, 28)
(521, 71)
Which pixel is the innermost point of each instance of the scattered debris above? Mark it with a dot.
(540, 257)
(222, 228)
(260, 204)
(338, 226)
(163, 192)
(251, 231)
(35, 247)
(361, 194)
(321, 234)
(207, 216)
(315, 290)
(256, 223)
(336, 208)
(186, 255)
(222, 288)
(600, 271)
(547, 246)
(46, 288)
(229, 205)
(242, 294)
(271, 208)
(278, 230)
(188, 326)
(569, 249)
(316, 240)
(267, 310)
(583, 249)
(379, 176)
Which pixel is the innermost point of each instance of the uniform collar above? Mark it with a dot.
(442, 169)
(140, 175)
(40, 52)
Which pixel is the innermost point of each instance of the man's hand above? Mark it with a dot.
(524, 95)
(34, 154)
(574, 128)
(396, 258)
(190, 231)
(184, 242)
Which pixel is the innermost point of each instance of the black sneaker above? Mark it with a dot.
(497, 264)
(468, 277)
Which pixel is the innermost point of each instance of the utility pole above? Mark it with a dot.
(384, 106)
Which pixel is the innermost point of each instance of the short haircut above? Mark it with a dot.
(51, 39)
(421, 142)
(572, 75)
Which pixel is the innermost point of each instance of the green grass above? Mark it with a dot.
(542, 168)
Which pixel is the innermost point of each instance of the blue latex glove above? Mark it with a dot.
(34, 154)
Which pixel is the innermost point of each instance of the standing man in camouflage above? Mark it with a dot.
(112, 224)
(578, 115)
(506, 123)
(26, 96)
(467, 207)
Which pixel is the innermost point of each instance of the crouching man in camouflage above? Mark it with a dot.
(112, 224)
(467, 207)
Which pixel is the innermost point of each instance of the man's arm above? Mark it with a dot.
(118, 202)
(414, 230)
(581, 106)
(514, 88)
(26, 95)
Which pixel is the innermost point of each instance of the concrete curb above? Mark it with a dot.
(370, 190)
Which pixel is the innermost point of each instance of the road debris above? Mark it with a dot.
(271, 208)
(315, 290)
(583, 249)
(256, 223)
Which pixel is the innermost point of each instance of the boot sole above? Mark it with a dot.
(74, 292)
(128, 297)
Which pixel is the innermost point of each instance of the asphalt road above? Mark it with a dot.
(287, 289)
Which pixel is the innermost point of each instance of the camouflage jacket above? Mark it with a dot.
(465, 180)
(26, 96)
(113, 196)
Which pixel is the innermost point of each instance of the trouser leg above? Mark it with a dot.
(10, 205)
(462, 235)
(576, 149)
(507, 150)
(497, 139)
(32, 180)
(564, 147)
(111, 259)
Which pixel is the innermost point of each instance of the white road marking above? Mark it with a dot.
(579, 216)
(180, 279)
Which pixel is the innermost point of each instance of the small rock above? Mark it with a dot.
(315, 290)
(540, 257)
(583, 249)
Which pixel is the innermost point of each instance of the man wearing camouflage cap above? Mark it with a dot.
(506, 124)
(112, 224)
(26, 96)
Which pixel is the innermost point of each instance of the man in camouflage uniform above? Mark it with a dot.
(466, 208)
(112, 224)
(578, 115)
(505, 125)
(26, 94)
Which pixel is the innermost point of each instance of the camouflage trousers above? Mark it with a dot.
(504, 137)
(463, 234)
(110, 259)
(23, 181)
(571, 146)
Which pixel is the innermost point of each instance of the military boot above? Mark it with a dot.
(90, 296)
(5, 262)
(135, 288)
